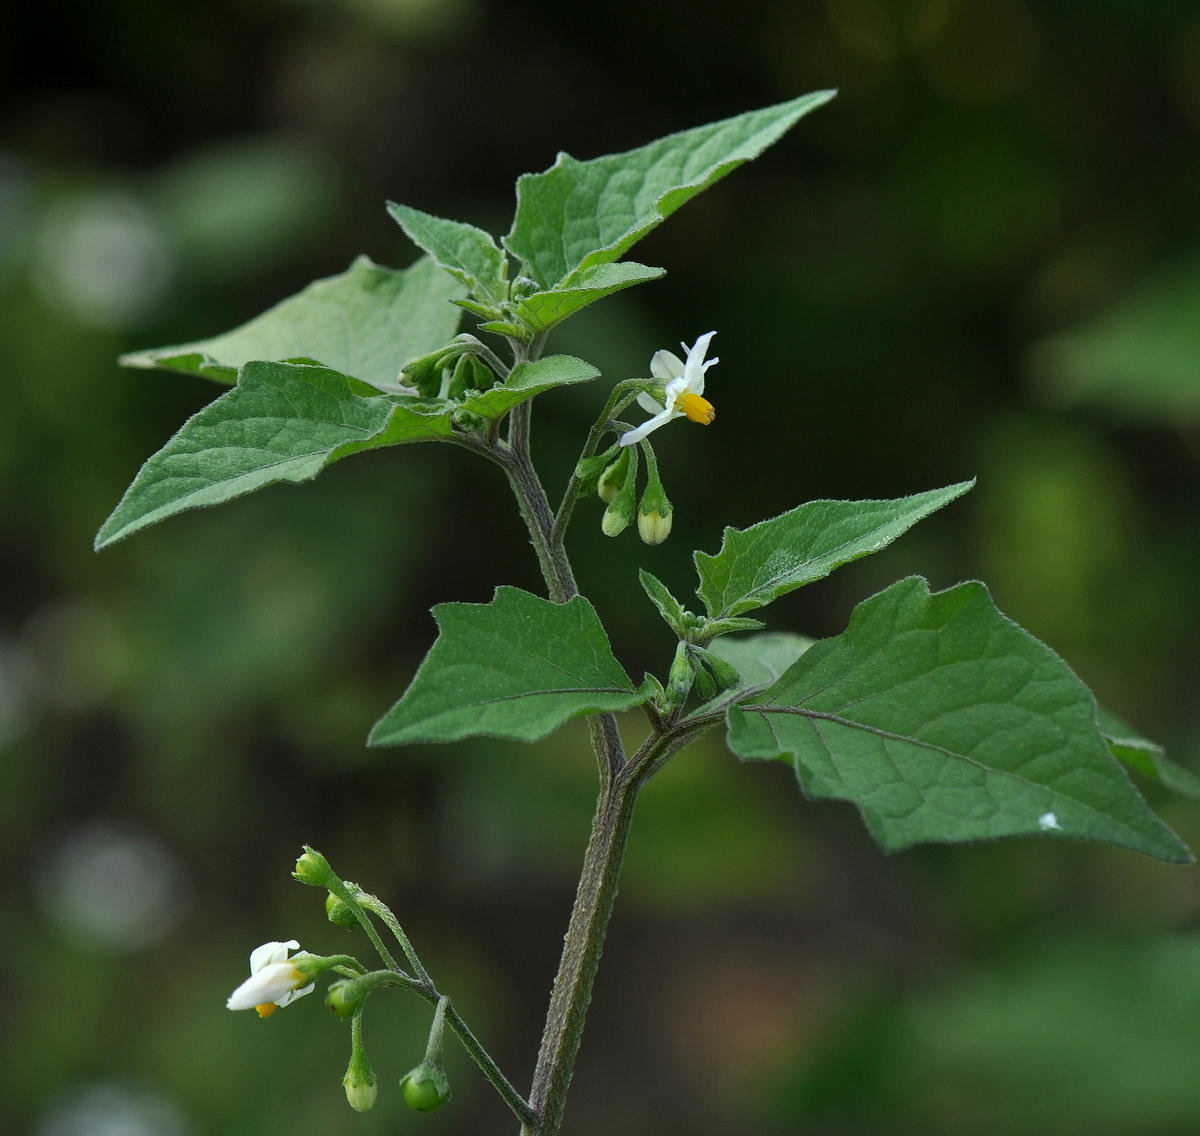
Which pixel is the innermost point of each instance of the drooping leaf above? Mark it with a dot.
(542, 310)
(469, 254)
(579, 214)
(282, 422)
(1147, 757)
(761, 563)
(527, 380)
(942, 720)
(517, 667)
(367, 323)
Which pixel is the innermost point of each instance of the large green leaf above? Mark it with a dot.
(282, 422)
(1147, 757)
(942, 720)
(542, 310)
(517, 667)
(467, 253)
(580, 214)
(761, 563)
(368, 322)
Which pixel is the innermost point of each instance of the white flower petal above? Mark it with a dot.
(648, 427)
(270, 953)
(666, 365)
(649, 404)
(288, 998)
(694, 368)
(269, 984)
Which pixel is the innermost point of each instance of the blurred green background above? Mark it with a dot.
(982, 259)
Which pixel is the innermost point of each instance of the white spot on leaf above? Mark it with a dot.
(1048, 821)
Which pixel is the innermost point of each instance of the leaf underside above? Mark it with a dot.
(517, 668)
(942, 720)
(367, 322)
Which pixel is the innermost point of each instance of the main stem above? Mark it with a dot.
(597, 889)
(582, 948)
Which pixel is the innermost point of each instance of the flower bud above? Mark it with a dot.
(426, 1087)
(679, 681)
(655, 510)
(340, 912)
(654, 527)
(359, 1083)
(312, 868)
(344, 998)
(613, 477)
(623, 506)
(469, 375)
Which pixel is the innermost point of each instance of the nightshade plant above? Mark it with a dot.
(937, 716)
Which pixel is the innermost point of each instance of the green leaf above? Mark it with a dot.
(675, 615)
(282, 422)
(469, 254)
(577, 215)
(1147, 757)
(942, 720)
(527, 380)
(542, 310)
(517, 667)
(368, 322)
(760, 659)
(761, 563)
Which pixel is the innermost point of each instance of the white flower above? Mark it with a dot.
(683, 392)
(274, 980)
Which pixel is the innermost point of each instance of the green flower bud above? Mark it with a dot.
(622, 507)
(426, 1087)
(705, 687)
(340, 912)
(425, 372)
(679, 681)
(613, 478)
(359, 1083)
(312, 868)
(469, 375)
(344, 998)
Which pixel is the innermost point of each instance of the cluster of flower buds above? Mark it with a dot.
(450, 372)
(617, 488)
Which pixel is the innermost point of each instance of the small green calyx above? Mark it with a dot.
(339, 912)
(344, 998)
(426, 1088)
(313, 869)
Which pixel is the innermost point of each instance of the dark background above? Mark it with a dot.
(981, 260)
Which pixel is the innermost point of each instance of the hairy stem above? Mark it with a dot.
(582, 947)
